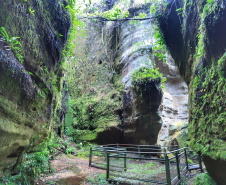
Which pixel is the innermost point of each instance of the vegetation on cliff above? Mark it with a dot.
(94, 87)
(59, 79)
(144, 76)
(207, 88)
(31, 83)
(197, 43)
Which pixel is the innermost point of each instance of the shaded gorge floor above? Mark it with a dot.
(74, 170)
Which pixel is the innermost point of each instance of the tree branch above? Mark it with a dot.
(124, 19)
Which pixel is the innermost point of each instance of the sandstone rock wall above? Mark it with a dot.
(196, 42)
(118, 49)
(147, 117)
(26, 88)
(174, 110)
(105, 59)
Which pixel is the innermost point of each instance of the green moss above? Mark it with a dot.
(93, 110)
(143, 76)
(204, 179)
(88, 136)
(222, 65)
(207, 112)
(207, 89)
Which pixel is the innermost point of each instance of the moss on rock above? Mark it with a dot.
(204, 62)
(95, 88)
(28, 88)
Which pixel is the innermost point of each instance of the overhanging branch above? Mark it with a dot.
(124, 19)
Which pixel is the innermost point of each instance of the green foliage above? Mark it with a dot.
(31, 11)
(207, 111)
(159, 47)
(155, 7)
(34, 162)
(207, 89)
(115, 13)
(97, 179)
(204, 179)
(222, 65)
(13, 43)
(84, 152)
(143, 76)
(137, 22)
(69, 47)
(210, 8)
(179, 11)
(90, 112)
(95, 91)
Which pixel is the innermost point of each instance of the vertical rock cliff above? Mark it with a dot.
(111, 53)
(28, 79)
(148, 114)
(194, 33)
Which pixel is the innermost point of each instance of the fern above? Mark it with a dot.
(13, 43)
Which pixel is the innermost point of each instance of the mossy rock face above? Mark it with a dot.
(178, 135)
(26, 89)
(201, 60)
(94, 86)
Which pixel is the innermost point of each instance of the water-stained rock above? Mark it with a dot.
(148, 113)
(26, 87)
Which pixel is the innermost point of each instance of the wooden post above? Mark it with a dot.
(186, 158)
(107, 172)
(90, 157)
(200, 163)
(178, 165)
(139, 151)
(105, 154)
(168, 178)
(125, 162)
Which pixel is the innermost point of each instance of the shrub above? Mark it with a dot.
(204, 179)
(145, 76)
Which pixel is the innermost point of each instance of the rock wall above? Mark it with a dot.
(196, 41)
(174, 110)
(147, 117)
(106, 58)
(27, 87)
(95, 103)
(141, 115)
(113, 52)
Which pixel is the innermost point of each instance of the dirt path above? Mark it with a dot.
(69, 170)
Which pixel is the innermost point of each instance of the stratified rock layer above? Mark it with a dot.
(112, 52)
(147, 114)
(26, 88)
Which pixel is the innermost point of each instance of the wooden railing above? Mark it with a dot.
(116, 159)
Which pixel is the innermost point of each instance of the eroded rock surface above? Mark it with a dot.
(115, 51)
(175, 99)
(147, 115)
(26, 87)
(196, 41)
